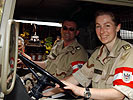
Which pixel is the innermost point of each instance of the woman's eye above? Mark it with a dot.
(107, 25)
(97, 26)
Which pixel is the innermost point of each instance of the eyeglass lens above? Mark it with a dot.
(70, 29)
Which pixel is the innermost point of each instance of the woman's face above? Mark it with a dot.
(106, 29)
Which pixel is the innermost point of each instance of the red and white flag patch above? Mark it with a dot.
(77, 65)
(123, 76)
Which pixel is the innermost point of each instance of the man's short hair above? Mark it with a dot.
(71, 20)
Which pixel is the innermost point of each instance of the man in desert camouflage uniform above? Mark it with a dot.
(63, 62)
(67, 55)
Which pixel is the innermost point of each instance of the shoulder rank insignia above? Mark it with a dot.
(126, 47)
(52, 56)
(77, 47)
(74, 49)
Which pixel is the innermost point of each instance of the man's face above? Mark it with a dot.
(69, 31)
(20, 46)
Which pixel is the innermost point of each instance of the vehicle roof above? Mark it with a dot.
(57, 10)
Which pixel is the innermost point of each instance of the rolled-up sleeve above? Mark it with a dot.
(81, 76)
(127, 91)
(123, 80)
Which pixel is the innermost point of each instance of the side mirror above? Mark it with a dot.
(9, 57)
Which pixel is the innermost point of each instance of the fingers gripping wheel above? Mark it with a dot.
(44, 80)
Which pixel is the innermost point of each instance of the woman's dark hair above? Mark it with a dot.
(112, 14)
(115, 18)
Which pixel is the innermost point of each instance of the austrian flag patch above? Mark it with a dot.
(77, 65)
(123, 76)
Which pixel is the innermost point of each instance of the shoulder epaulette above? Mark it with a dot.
(57, 42)
(74, 49)
(77, 47)
(126, 47)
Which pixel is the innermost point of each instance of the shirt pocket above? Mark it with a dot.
(109, 81)
(51, 68)
(96, 78)
(61, 72)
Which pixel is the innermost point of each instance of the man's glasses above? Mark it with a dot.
(70, 29)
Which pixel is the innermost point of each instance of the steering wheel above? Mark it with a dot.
(44, 79)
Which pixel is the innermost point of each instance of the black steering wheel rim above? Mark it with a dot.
(26, 61)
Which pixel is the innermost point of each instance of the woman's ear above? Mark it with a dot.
(118, 28)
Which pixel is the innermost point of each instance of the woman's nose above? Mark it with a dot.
(102, 30)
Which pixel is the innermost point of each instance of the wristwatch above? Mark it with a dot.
(87, 93)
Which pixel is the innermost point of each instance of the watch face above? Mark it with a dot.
(87, 93)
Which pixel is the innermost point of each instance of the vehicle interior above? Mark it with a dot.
(28, 20)
(81, 10)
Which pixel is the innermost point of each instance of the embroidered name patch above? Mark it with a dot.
(97, 71)
(123, 76)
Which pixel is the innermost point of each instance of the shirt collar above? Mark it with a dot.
(116, 48)
(70, 47)
(104, 53)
